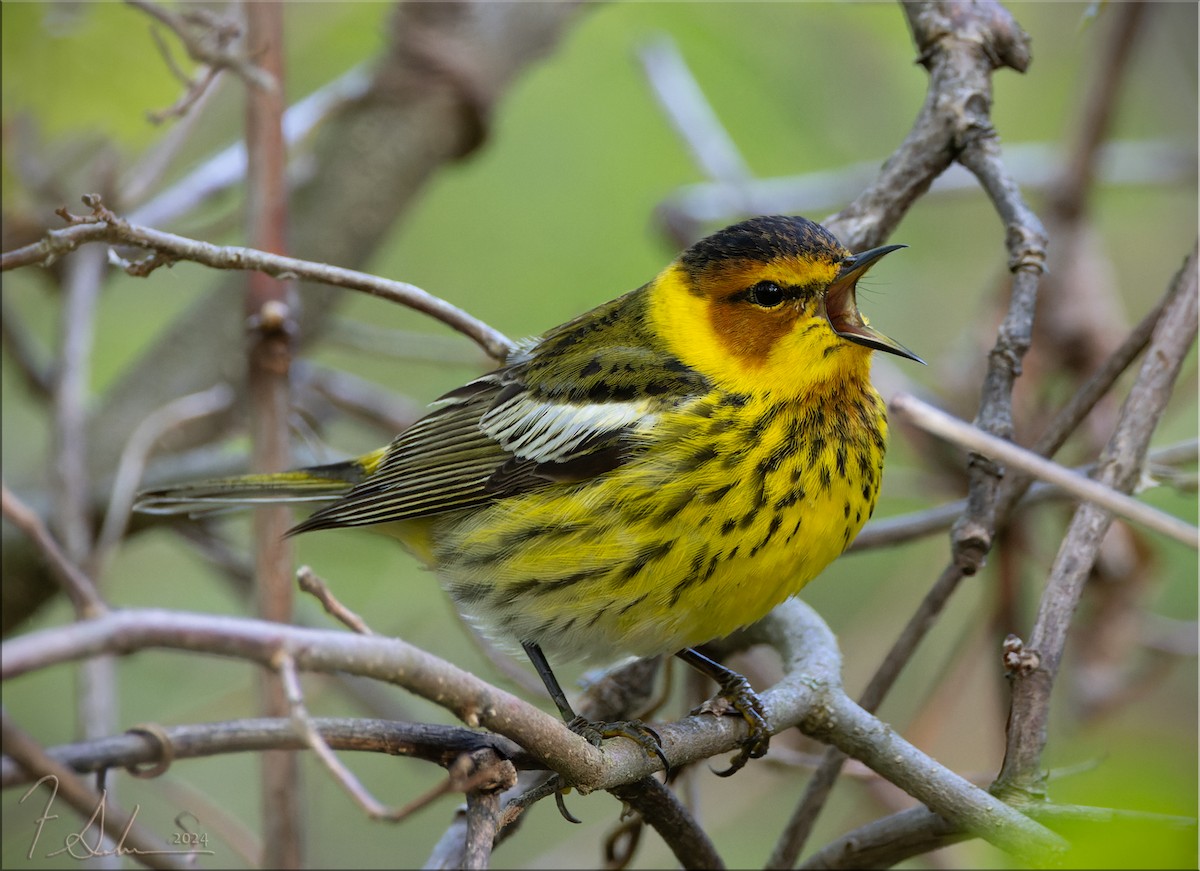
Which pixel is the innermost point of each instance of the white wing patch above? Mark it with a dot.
(554, 431)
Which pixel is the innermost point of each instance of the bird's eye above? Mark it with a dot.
(766, 294)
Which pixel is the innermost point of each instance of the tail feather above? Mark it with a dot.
(218, 495)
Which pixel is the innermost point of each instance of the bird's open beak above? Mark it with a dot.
(841, 306)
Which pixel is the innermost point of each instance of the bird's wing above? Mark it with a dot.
(573, 404)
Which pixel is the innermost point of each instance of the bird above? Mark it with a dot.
(652, 475)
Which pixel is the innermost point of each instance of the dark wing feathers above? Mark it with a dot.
(563, 410)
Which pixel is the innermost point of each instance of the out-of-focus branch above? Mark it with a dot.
(70, 400)
(1071, 190)
(210, 40)
(1121, 162)
(268, 302)
(690, 112)
(228, 167)
(78, 586)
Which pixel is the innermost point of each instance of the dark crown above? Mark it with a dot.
(764, 238)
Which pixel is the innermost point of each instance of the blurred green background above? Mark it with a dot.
(553, 216)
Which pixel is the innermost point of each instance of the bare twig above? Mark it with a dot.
(1070, 195)
(106, 227)
(27, 358)
(304, 725)
(312, 584)
(660, 808)
(905, 527)
(228, 167)
(692, 115)
(1121, 162)
(210, 40)
(930, 419)
(137, 454)
(1119, 467)
(426, 741)
(77, 585)
(194, 89)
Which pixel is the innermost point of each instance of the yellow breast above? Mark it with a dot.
(736, 505)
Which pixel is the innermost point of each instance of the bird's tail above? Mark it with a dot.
(216, 495)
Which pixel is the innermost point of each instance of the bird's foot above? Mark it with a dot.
(738, 697)
(635, 730)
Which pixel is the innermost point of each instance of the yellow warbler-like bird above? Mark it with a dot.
(650, 476)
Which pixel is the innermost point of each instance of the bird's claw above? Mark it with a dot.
(635, 730)
(740, 697)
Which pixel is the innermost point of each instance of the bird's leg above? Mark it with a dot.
(737, 690)
(594, 732)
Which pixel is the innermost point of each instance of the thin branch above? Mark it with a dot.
(1122, 162)
(27, 358)
(662, 810)
(78, 586)
(106, 227)
(311, 583)
(1119, 467)
(210, 40)
(137, 454)
(933, 420)
(906, 527)
(227, 167)
(429, 742)
(689, 111)
(1070, 195)
(1072, 414)
(343, 776)
(194, 89)
(886, 842)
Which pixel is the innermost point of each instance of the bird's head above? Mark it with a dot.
(769, 303)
